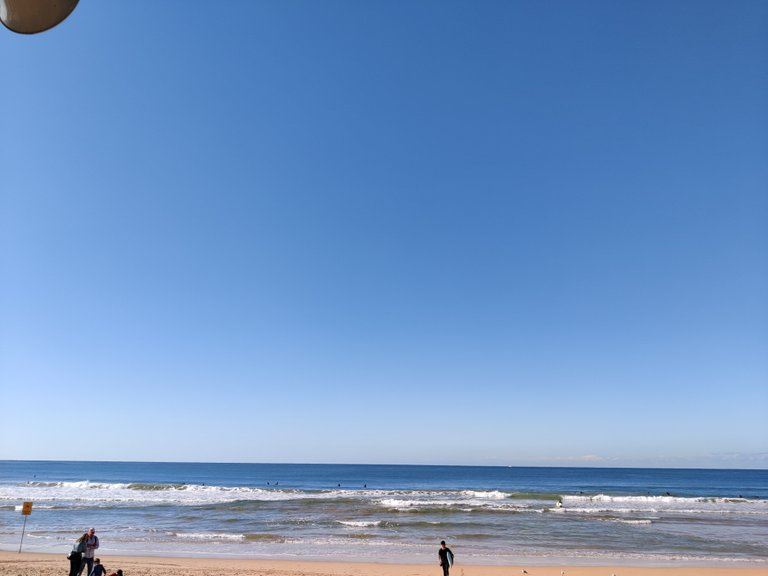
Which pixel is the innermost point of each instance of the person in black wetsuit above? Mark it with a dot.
(444, 554)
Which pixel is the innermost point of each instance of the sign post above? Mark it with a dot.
(26, 510)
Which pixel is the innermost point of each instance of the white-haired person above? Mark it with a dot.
(91, 545)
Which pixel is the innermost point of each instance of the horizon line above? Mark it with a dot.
(380, 464)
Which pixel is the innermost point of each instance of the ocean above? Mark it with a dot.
(383, 513)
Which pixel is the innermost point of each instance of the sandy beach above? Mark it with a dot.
(32, 564)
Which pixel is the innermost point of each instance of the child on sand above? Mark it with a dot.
(98, 569)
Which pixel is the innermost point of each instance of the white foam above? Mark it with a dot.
(608, 504)
(449, 501)
(87, 494)
(626, 521)
(360, 523)
(209, 536)
(492, 494)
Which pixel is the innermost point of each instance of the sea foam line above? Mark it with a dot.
(208, 536)
(359, 523)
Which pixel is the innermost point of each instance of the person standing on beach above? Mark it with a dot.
(76, 556)
(446, 557)
(91, 545)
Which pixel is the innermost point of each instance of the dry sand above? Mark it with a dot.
(29, 564)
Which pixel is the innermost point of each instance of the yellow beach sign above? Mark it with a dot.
(26, 510)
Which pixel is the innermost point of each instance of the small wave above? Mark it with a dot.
(38, 507)
(636, 521)
(433, 505)
(491, 495)
(673, 505)
(668, 499)
(87, 493)
(535, 496)
(155, 487)
(359, 523)
(397, 503)
(208, 536)
(431, 524)
(265, 538)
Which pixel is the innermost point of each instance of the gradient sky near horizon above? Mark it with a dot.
(515, 233)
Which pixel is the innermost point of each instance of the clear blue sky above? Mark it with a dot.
(404, 232)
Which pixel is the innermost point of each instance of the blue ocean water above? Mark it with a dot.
(381, 513)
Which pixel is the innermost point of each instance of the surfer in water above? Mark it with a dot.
(446, 557)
